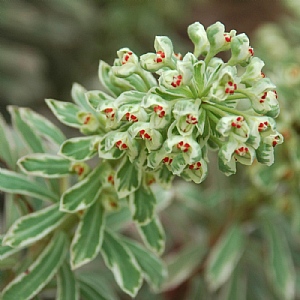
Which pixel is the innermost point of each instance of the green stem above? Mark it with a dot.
(213, 117)
(220, 109)
(216, 140)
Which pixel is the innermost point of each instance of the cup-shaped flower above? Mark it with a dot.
(234, 151)
(116, 144)
(162, 58)
(234, 127)
(127, 63)
(158, 109)
(253, 72)
(186, 114)
(219, 39)
(143, 130)
(89, 123)
(195, 172)
(226, 84)
(240, 50)
(198, 36)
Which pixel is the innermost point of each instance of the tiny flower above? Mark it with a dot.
(195, 172)
(89, 122)
(240, 50)
(197, 35)
(80, 168)
(219, 40)
(235, 127)
(253, 71)
(225, 85)
(127, 64)
(162, 58)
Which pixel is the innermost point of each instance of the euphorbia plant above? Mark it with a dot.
(156, 118)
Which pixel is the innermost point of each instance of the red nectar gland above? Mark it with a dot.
(275, 141)
(238, 122)
(109, 113)
(110, 179)
(121, 145)
(263, 97)
(176, 81)
(87, 119)
(251, 51)
(242, 151)
(167, 160)
(230, 87)
(159, 110)
(126, 57)
(144, 135)
(195, 166)
(227, 37)
(190, 119)
(131, 117)
(263, 126)
(160, 55)
(183, 146)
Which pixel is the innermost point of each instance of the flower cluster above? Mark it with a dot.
(163, 110)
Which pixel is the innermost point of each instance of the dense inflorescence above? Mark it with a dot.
(199, 101)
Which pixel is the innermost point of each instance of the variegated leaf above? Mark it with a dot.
(15, 183)
(88, 237)
(120, 260)
(35, 226)
(45, 165)
(28, 284)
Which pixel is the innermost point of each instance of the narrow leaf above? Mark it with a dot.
(12, 182)
(280, 267)
(127, 178)
(30, 283)
(67, 286)
(153, 235)
(142, 205)
(120, 260)
(78, 149)
(65, 112)
(27, 133)
(42, 125)
(88, 237)
(78, 95)
(153, 268)
(184, 263)
(45, 165)
(6, 251)
(6, 149)
(224, 257)
(34, 226)
(84, 193)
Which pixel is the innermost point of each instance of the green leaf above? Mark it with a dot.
(88, 237)
(5, 147)
(12, 182)
(127, 178)
(45, 165)
(142, 205)
(67, 286)
(95, 287)
(34, 226)
(65, 112)
(30, 283)
(120, 260)
(6, 251)
(236, 287)
(280, 267)
(42, 126)
(27, 133)
(153, 235)
(184, 263)
(78, 149)
(84, 193)
(224, 256)
(154, 271)
(78, 95)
